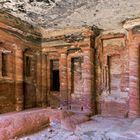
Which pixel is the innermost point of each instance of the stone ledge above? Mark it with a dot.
(16, 124)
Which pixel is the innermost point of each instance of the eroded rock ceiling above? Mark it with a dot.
(105, 14)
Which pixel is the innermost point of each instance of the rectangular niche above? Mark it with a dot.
(4, 64)
(114, 73)
(54, 75)
(27, 66)
(76, 75)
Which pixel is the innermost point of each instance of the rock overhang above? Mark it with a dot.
(106, 15)
(40, 35)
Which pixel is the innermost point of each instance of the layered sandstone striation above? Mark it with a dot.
(83, 70)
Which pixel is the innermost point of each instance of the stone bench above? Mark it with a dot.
(16, 124)
(19, 123)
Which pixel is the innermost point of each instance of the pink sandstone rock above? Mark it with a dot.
(16, 124)
(70, 120)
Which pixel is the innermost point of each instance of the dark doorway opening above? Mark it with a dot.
(54, 75)
(28, 66)
(55, 80)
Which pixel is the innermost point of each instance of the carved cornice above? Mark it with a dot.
(76, 37)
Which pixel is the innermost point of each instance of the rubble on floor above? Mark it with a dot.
(98, 128)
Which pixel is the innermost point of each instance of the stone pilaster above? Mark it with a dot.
(44, 80)
(38, 80)
(0, 64)
(134, 99)
(88, 79)
(19, 79)
(69, 81)
(63, 79)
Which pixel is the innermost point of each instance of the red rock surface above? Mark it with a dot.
(15, 124)
(95, 75)
(70, 120)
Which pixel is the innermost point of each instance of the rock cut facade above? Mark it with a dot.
(70, 64)
(76, 69)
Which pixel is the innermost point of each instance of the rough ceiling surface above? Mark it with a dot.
(105, 14)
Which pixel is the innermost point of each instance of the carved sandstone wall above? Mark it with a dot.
(14, 44)
(112, 74)
(32, 62)
(73, 50)
(70, 68)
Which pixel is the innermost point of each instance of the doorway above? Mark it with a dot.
(55, 80)
(29, 88)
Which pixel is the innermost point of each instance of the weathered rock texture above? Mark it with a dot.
(79, 69)
(13, 49)
(134, 71)
(112, 74)
(32, 61)
(98, 128)
(61, 13)
(73, 50)
(17, 124)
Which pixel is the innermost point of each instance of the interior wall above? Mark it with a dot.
(7, 86)
(29, 87)
(75, 55)
(53, 63)
(76, 75)
(112, 76)
(12, 49)
(7, 98)
(116, 62)
(134, 75)
(115, 74)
